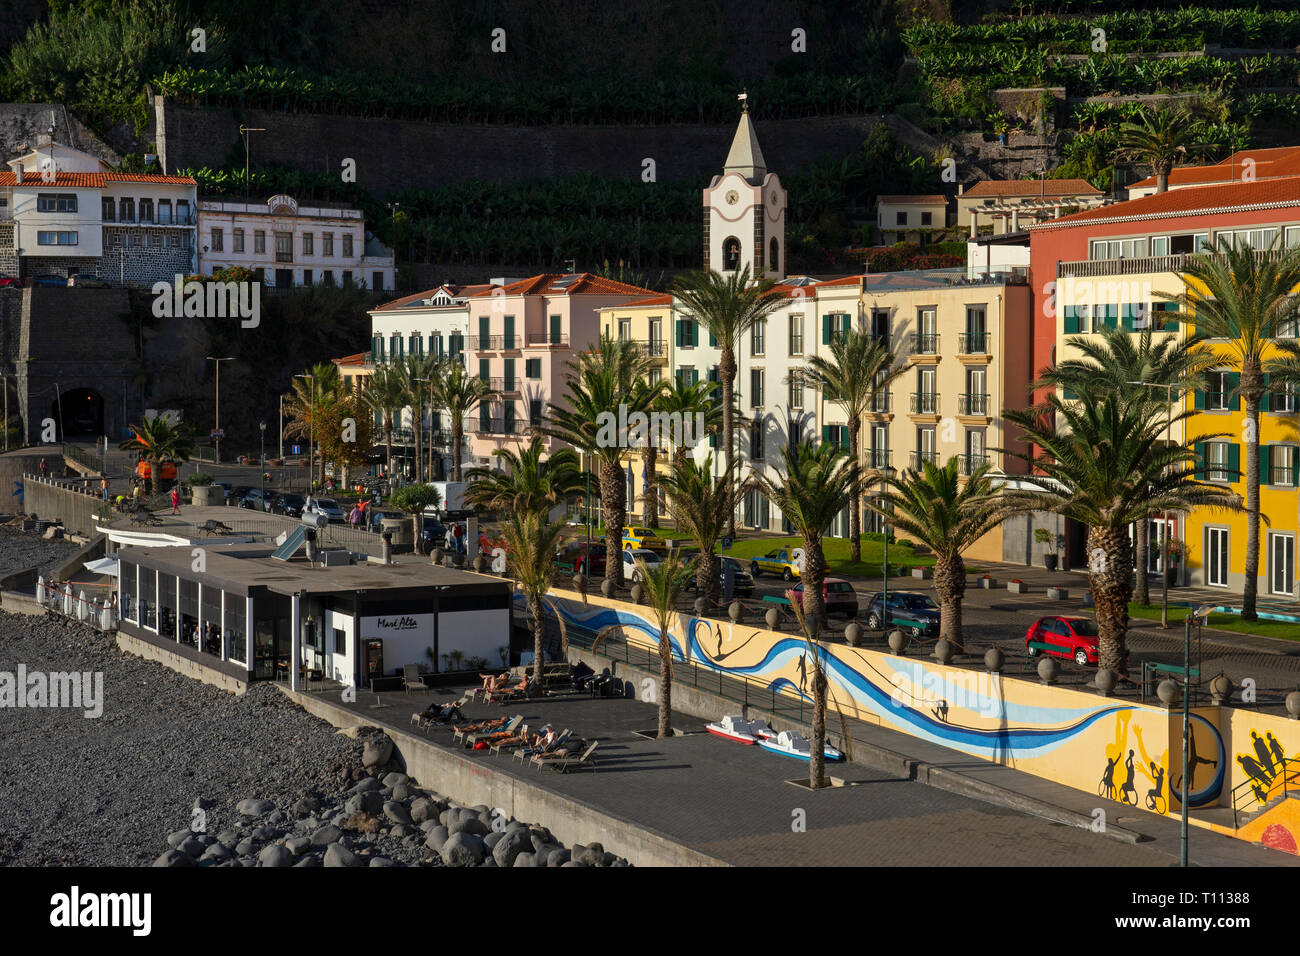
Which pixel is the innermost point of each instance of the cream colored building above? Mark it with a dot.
(1009, 205)
(897, 217)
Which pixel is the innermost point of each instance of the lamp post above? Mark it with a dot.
(262, 460)
(311, 433)
(1164, 517)
(244, 131)
(1200, 614)
(216, 428)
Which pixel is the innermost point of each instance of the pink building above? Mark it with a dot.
(521, 339)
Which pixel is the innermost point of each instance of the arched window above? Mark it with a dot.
(774, 255)
(730, 254)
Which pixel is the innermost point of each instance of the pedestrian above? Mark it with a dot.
(460, 538)
(354, 516)
(176, 499)
(449, 540)
(103, 486)
(45, 469)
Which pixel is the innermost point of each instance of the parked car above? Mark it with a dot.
(329, 508)
(743, 581)
(838, 595)
(433, 533)
(907, 609)
(50, 280)
(630, 558)
(573, 559)
(778, 561)
(376, 516)
(236, 494)
(255, 499)
(9, 282)
(85, 280)
(1077, 638)
(290, 505)
(639, 537)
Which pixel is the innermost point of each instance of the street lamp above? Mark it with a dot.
(216, 429)
(262, 460)
(1164, 517)
(1200, 614)
(311, 433)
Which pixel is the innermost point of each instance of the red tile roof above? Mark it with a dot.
(415, 300)
(1232, 197)
(584, 284)
(359, 358)
(652, 301)
(149, 178)
(913, 200)
(843, 280)
(1032, 187)
(91, 180)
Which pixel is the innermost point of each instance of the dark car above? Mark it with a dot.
(86, 280)
(58, 281)
(1076, 637)
(289, 505)
(743, 580)
(433, 533)
(838, 595)
(907, 610)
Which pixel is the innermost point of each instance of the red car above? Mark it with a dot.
(9, 282)
(837, 595)
(1075, 636)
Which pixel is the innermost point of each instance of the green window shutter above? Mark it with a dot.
(1295, 467)
(1265, 464)
(1071, 395)
(1198, 401)
(713, 341)
(1233, 380)
(1071, 320)
(1199, 448)
(695, 334)
(826, 434)
(484, 325)
(845, 320)
(510, 332)
(555, 330)
(510, 375)
(485, 369)
(374, 350)
(1112, 316)
(1128, 314)
(1266, 400)
(826, 330)
(510, 418)
(679, 333)
(1234, 462)
(844, 438)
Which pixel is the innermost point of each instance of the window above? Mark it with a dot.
(756, 388)
(56, 202)
(1160, 245)
(879, 326)
(925, 447)
(259, 242)
(1118, 248)
(174, 242)
(218, 240)
(1218, 395)
(109, 210)
(485, 369)
(756, 439)
(533, 368)
(1216, 557)
(308, 244)
(165, 211)
(306, 277)
(927, 339)
(624, 330)
(379, 282)
(509, 377)
(347, 245)
(1278, 465)
(1255, 238)
(327, 244)
(237, 240)
(534, 410)
(656, 376)
(900, 218)
(340, 641)
(146, 210)
(757, 335)
(688, 333)
(1292, 236)
(183, 212)
(927, 219)
(796, 394)
(688, 375)
(56, 238)
(774, 255)
(730, 254)
(327, 276)
(1221, 460)
(135, 240)
(284, 247)
(796, 334)
(557, 330)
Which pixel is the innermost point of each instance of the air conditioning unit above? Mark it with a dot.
(335, 558)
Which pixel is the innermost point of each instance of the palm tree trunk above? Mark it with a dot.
(727, 372)
(613, 500)
(388, 432)
(855, 498)
(814, 605)
(1111, 588)
(651, 490)
(707, 577)
(1251, 587)
(950, 586)
(457, 437)
(1142, 594)
(817, 746)
(419, 427)
(665, 685)
(539, 636)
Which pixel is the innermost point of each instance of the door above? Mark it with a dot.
(1216, 557)
(283, 278)
(1281, 564)
(977, 396)
(975, 330)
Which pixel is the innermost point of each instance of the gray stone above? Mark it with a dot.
(275, 855)
(368, 802)
(255, 808)
(469, 823)
(493, 838)
(572, 863)
(381, 861)
(421, 809)
(558, 857)
(229, 838)
(537, 841)
(463, 849)
(244, 847)
(336, 854)
(397, 812)
(217, 852)
(427, 825)
(403, 791)
(369, 783)
(173, 858)
(377, 751)
(263, 834)
(393, 779)
(339, 819)
(306, 806)
(511, 846)
(298, 845)
(177, 837)
(592, 855)
(401, 831)
(326, 835)
(203, 803)
(191, 846)
(308, 861)
(523, 859)
(436, 839)
(1293, 704)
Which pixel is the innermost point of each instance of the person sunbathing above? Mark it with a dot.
(444, 712)
(515, 691)
(492, 682)
(567, 749)
(482, 725)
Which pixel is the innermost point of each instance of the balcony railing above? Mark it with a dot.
(924, 403)
(972, 463)
(925, 343)
(652, 348)
(879, 402)
(485, 343)
(918, 457)
(973, 403)
(1282, 475)
(878, 458)
(540, 339)
(495, 426)
(1091, 268)
(973, 343)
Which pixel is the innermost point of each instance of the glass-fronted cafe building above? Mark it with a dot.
(240, 612)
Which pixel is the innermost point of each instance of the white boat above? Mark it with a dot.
(791, 744)
(741, 730)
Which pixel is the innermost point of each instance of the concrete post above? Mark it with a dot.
(1015, 220)
(248, 632)
(974, 224)
(471, 539)
(295, 640)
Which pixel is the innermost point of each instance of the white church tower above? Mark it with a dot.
(744, 210)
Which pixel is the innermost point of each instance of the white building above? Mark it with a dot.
(288, 245)
(744, 211)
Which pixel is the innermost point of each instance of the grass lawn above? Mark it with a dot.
(1222, 622)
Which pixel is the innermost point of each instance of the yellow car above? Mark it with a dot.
(782, 561)
(642, 538)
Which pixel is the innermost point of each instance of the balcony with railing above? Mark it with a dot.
(652, 348)
(878, 459)
(880, 403)
(485, 343)
(924, 403)
(973, 403)
(1139, 265)
(496, 426)
(920, 457)
(925, 343)
(972, 463)
(544, 339)
(974, 343)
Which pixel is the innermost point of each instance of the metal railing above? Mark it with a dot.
(879, 402)
(925, 343)
(485, 343)
(1086, 268)
(973, 403)
(1252, 789)
(1282, 475)
(972, 463)
(973, 343)
(496, 426)
(652, 348)
(878, 457)
(919, 457)
(924, 403)
(540, 339)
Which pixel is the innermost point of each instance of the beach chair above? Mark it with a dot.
(411, 677)
(527, 753)
(424, 722)
(512, 742)
(559, 751)
(496, 733)
(481, 727)
(572, 761)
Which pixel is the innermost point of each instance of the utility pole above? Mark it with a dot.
(216, 428)
(311, 434)
(244, 131)
(262, 462)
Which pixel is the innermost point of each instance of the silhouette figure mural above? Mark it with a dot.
(1107, 786)
(1129, 786)
(1266, 767)
(1155, 796)
(1193, 759)
(1149, 766)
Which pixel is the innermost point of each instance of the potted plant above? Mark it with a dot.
(202, 491)
(1177, 551)
(1043, 536)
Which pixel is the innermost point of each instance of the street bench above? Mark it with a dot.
(1047, 646)
(1173, 669)
(776, 599)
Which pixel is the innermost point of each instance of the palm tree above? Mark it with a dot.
(817, 745)
(385, 396)
(415, 371)
(1112, 362)
(727, 306)
(599, 382)
(1160, 138)
(816, 480)
(857, 370)
(531, 543)
(524, 482)
(157, 440)
(1245, 297)
(947, 515)
(663, 584)
(701, 506)
(311, 395)
(684, 402)
(1104, 464)
(458, 392)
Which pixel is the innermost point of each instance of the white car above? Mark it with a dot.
(326, 506)
(630, 558)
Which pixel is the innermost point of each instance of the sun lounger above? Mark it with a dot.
(472, 732)
(479, 726)
(490, 736)
(411, 678)
(525, 753)
(424, 721)
(559, 752)
(511, 742)
(573, 761)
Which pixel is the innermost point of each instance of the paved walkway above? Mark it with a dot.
(734, 802)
